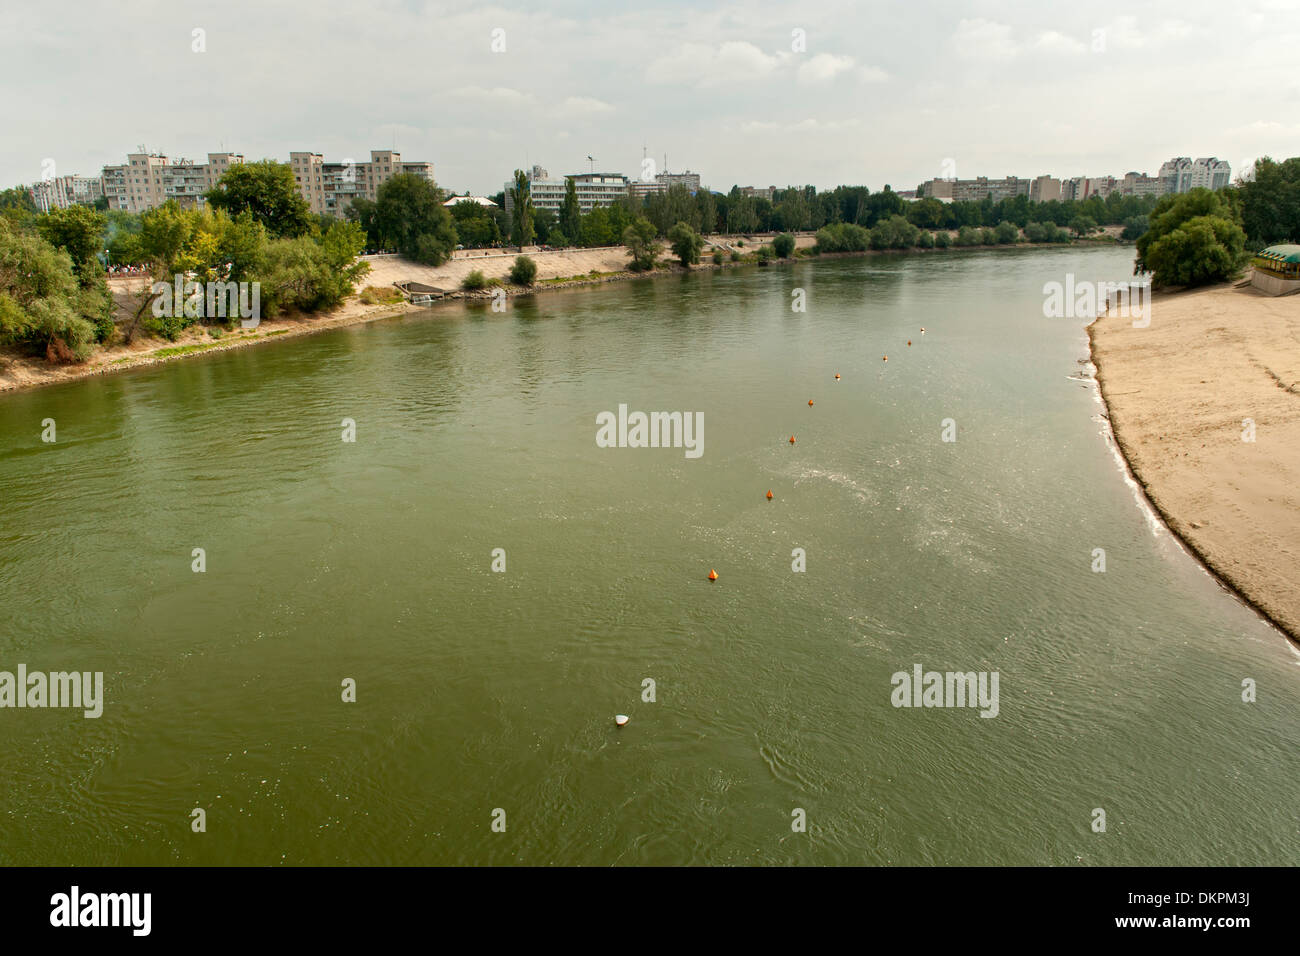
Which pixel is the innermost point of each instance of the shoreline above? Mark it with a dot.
(1179, 486)
(25, 373)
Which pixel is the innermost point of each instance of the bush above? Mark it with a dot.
(474, 281)
(686, 243)
(1134, 227)
(843, 237)
(524, 271)
(1193, 239)
(765, 255)
(925, 240)
(735, 256)
(718, 257)
(1006, 233)
(988, 236)
(783, 245)
(942, 240)
(968, 236)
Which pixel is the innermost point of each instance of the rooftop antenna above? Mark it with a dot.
(593, 164)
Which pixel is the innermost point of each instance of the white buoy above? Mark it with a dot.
(620, 719)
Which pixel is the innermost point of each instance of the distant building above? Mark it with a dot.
(1140, 184)
(64, 191)
(1045, 189)
(1072, 188)
(1181, 173)
(688, 179)
(1099, 186)
(758, 192)
(147, 180)
(981, 187)
(330, 188)
(593, 189)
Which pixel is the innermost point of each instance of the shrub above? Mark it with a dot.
(988, 236)
(1006, 233)
(968, 236)
(925, 240)
(942, 240)
(524, 271)
(735, 256)
(718, 257)
(474, 281)
(783, 245)
(686, 243)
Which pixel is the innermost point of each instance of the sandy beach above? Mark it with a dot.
(1179, 393)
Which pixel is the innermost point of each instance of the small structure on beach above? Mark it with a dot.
(417, 293)
(1277, 270)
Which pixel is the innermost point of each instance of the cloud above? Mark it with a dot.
(583, 106)
(1058, 43)
(497, 95)
(697, 64)
(984, 39)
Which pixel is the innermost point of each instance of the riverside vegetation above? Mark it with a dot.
(54, 300)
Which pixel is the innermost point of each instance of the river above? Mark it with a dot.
(483, 726)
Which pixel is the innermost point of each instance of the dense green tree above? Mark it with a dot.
(267, 190)
(410, 218)
(521, 214)
(783, 245)
(686, 243)
(1193, 239)
(642, 245)
(1270, 204)
(571, 212)
(79, 231)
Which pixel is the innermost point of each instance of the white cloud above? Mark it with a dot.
(1058, 43)
(696, 64)
(583, 106)
(984, 39)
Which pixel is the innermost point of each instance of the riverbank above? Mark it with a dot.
(560, 269)
(1183, 395)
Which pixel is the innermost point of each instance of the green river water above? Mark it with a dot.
(478, 691)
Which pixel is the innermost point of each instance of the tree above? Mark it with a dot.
(79, 231)
(1270, 205)
(783, 245)
(521, 215)
(686, 243)
(639, 237)
(524, 271)
(1083, 225)
(409, 216)
(1006, 232)
(267, 190)
(43, 308)
(570, 211)
(1192, 239)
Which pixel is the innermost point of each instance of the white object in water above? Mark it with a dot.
(620, 719)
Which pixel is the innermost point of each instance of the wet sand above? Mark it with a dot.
(1179, 393)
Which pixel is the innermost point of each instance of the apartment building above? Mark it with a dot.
(329, 188)
(688, 179)
(593, 189)
(1182, 173)
(1045, 189)
(758, 192)
(981, 187)
(61, 192)
(1140, 184)
(147, 180)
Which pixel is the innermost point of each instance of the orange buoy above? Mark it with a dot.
(791, 439)
(769, 494)
(837, 376)
(713, 575)
(885, 359)
(810, 403)
(909, 341)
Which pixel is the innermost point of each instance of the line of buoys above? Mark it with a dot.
(713, 575)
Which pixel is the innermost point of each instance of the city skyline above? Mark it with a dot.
(755, 95)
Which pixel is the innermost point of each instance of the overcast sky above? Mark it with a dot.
(882, 93)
